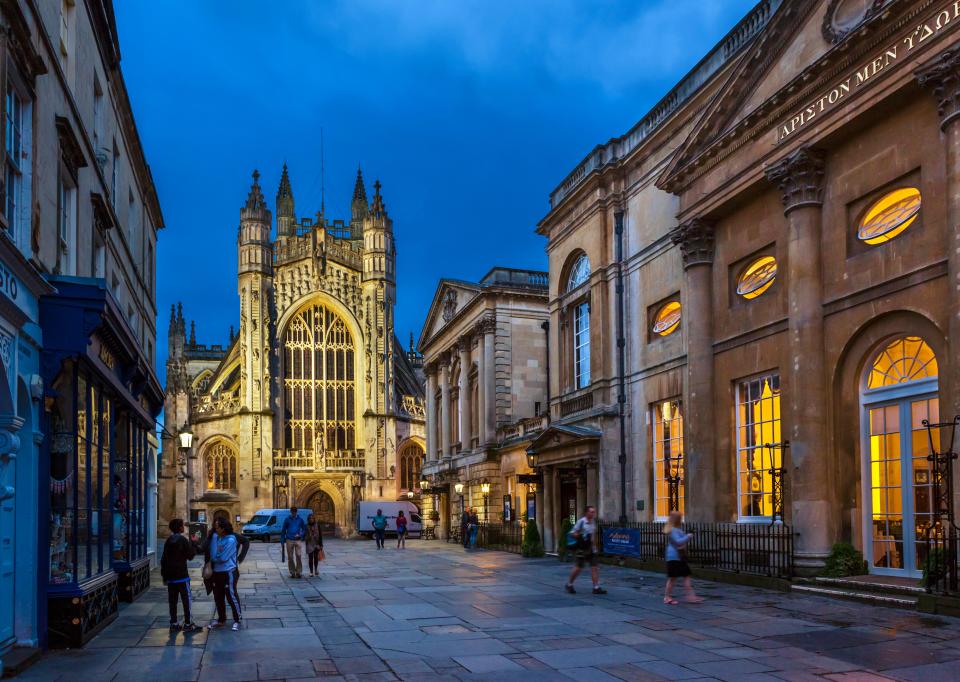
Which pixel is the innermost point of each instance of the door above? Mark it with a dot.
(7, 543)
(900, 500)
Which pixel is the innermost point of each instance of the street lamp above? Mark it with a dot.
(410, 494)
(424, 486)
(531, 459)
(459, 488)
(485, 489)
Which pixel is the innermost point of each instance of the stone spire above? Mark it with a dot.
(255, 200)
(358, 208)
(378, 208)
(286, 218)
(193, 333)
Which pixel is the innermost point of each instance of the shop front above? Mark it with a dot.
(100, 403)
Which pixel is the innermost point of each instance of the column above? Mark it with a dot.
(465, 435)
(431, 372)
(481, 388)
(547, 514)
(695, 239)
(593, 493)
(581, 494)
(445, 417)
(941, 76)
(443, 508)
(538, 495)
(489, 414)
(800, 179)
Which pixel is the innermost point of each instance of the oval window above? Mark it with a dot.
(758, 277)
(890, 216)
(667, 319)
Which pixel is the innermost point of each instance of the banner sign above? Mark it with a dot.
(622, 541)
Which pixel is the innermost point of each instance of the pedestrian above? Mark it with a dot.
(379, 528)
(474, 528)
(223, 556)
(401, 530)
(292, 534)
(676, 556)
(583, 535)
(177, 551)
(314, 540)
(465, 527)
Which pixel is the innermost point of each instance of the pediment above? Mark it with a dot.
(563, 435)
(451, 297)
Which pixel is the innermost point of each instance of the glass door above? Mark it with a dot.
(900, 496)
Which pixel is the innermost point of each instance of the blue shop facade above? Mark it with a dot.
(21, 289)
(101, 397)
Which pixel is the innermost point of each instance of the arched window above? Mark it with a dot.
(221, 460)
(903, 360)
(579, 273)
(318, 382)
(411, 462)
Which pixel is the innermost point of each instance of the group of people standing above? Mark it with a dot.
(469, 526)
(223, 552)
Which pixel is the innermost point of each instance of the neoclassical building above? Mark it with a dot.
(785, 222)
(484, 348)
(313, 402)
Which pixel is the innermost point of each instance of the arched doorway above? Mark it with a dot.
(899, 392)
(324, 509)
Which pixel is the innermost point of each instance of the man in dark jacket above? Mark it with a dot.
(465, 527)
(177, 551)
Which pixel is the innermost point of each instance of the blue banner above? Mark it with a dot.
(622, 541)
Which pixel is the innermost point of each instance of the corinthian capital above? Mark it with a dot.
(941, 75)
(486, 325)
(800, 178)
(695, 239)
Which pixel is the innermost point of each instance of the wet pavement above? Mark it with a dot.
(435, 612)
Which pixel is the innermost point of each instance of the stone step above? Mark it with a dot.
(872, 586)
(875, 598)
(17, 660)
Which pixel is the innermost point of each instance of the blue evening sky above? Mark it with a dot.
(469, 112)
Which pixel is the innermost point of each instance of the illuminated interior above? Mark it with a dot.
(906, 359)
(758, 425)
(668, 319)
(890, 216)
(667, 447)
(758, 277)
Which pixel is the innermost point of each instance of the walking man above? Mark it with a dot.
(379, 528)
(177, 551)
(583, 533)
(292, 534)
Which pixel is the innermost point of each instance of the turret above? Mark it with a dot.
(253, 242)
(378, 252)
(286, 216)
(358, 207)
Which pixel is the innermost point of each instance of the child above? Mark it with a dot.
(177, 551)
(676, 556)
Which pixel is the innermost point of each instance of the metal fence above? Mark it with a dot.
(940, 559)
(505, 537)
(759, 549)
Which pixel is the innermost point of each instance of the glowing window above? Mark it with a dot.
(221, 468)
(758, 427)
(580, 272)
(667, 319)
(667, 454)
(758, 277)
(906, 359)
(890, 216)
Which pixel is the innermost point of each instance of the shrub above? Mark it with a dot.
(934, 567)
(844, 560)
(532, 546)
(562, 549)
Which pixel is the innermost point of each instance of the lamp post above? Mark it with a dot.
(459, 488)
(185, 436)
(485, 489)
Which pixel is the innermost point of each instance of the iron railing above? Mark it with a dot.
(941, 561)
(504, 537)
(758, 549)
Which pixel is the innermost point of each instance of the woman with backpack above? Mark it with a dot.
(676, 556)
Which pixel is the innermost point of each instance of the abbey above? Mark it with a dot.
(313, 402)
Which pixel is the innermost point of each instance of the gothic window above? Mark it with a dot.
(667, 454)
(667, 319)
(758, 427)
(758, 277)
(889, 216)
(318, 381)
(411, 461)
(221, 462)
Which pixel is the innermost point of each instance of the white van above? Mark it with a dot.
(367, 510)
(266, 524)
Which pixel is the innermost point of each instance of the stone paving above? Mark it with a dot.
(434, 612)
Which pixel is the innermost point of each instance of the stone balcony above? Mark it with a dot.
(210, 406)
(309, 460)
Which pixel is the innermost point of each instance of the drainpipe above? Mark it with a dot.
(621, 361)
(546, 330)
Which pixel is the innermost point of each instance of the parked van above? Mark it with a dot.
(367, 510)
(266, 524)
